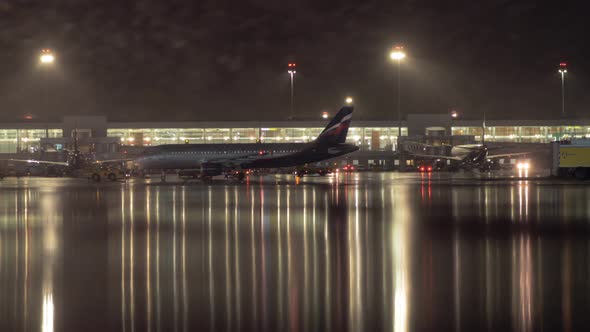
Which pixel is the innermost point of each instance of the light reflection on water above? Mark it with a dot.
(372, 253)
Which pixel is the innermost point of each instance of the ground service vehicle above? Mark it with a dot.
(99, 173)
(573, 159)
(310, 170)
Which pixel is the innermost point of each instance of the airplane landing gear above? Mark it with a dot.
(235, 175)
(241, 176)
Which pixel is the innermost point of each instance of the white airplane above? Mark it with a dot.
(468, 156)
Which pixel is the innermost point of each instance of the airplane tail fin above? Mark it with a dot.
(336, 131)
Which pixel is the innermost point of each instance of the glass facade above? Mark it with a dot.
(374, 138)
(25, 140)
(368, 138)
(525, 134)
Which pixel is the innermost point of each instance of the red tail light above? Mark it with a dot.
(429, 168)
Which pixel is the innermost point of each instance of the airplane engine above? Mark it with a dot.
(211, 169)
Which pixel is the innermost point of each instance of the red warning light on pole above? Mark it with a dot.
(292, 66)
(563, 64)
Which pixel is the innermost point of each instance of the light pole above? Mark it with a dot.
(398, 54)
(46, 57)
(454, 115)
(292, 69)
(562, 70)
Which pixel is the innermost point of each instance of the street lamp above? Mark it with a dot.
(46, 57)
(349, 100)
(562, 70)
(454, 115)
(398, 54)
(292, 69)
(324, 115)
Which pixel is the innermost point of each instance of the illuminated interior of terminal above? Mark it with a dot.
(525, 134)
(369, 138)
(25, 140)
(382, 138)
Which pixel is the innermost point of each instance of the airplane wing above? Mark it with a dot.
(112, 161)
(507, 155)
(431, 156)
(236, 160)
(33, 161)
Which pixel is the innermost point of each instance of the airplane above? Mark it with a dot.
(75, 162)
(472, 156)
(204, 161)
(469, 156)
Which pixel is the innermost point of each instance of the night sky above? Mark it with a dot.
(181, 60)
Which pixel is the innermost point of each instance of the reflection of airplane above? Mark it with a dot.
(207, 160)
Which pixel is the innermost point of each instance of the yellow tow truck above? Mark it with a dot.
(98, 173)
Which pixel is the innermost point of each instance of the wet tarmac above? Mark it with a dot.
(357, 252)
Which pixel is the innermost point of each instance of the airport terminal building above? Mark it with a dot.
(377, 139)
